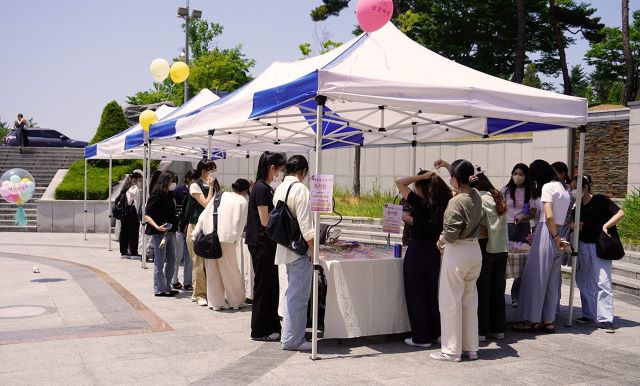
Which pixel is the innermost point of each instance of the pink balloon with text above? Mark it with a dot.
(373, 14)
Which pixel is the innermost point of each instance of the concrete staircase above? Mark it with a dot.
(625, 272)
(42, 163)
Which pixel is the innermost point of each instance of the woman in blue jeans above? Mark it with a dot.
(160, 217)
(299, 268)
(598, 214)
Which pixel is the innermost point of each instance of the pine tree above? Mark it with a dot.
(112, 122)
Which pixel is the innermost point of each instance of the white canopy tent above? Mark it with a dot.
(379, 88)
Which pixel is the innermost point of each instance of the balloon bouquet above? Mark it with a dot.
(160, 70)
(17, 187)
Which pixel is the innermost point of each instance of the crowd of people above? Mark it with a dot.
(458, 244)
(458, 237)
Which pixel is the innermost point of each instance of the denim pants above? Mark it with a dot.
(182, 254)
(296, 299)
(163, 261)
(593, 278)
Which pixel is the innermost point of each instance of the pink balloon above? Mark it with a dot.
(373, 14)
(12, 198)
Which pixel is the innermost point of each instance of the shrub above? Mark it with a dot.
(72, 187)
(629, 227)
(367, 205)
(112, 122)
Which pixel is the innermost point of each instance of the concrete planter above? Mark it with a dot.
(68, 216)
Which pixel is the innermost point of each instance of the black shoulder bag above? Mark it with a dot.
(208, 246)
(283, 227)
(609, 247)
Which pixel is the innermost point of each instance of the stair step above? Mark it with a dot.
(620, 283)
(629, 270)
(354, 226)
(15, 228)
(631, 257)
(370, 233)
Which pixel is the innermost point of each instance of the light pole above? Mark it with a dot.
(184, 13)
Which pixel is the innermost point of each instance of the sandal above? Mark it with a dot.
(526, 327)
(548, 327)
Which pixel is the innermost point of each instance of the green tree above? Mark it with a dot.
(579, 81)
(607, 58)
(112, 122)
(4, 128)
(531, 77)
(201, 36)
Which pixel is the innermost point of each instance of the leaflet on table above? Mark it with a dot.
(392, 218)
(321, 193)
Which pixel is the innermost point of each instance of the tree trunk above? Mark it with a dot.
(356, 172)
(629, 85)
(559, 39)
(518, 73)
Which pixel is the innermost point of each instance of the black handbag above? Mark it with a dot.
(208, 246)
(609, 247)
(283, 228)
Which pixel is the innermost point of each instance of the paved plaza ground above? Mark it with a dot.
(90, 317)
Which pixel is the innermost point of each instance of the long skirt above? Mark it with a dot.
(539, 290)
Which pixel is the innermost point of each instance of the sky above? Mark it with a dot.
(62, 61)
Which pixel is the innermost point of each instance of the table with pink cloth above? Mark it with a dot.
(365, 292)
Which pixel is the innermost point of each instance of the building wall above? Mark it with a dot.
(633, 173)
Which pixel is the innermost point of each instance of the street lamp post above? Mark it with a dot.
(184, 13)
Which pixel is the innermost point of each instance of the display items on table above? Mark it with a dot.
(373, 14)
(321, 192)
(17, 186)
(518, 247)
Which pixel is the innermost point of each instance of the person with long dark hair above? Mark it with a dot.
(160, 217)
(202, 190)
(517, 193)
(492, 318)
(461, 264)
(421, 268)
(299, 267)
(265, 322)
(130, 224)
(181, 193)
(593, 277)
(562, 171)
(539, 293)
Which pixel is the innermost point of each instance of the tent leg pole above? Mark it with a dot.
(110, 192)
(210, 140)
(145, 182)
(320, 100)
(576, 224)
(84, 207)
(414, 151)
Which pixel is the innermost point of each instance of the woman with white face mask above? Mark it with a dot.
(130, 224)
(517, 194)
(202, 191)
(161, 220)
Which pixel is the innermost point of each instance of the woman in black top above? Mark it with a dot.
(422, 261)
(598, 214)
(160, 216)
(265, 322)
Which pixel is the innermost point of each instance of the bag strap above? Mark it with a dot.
(216, 204)
(286, 197)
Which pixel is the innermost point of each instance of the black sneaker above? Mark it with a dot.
(608, 327)
(177, 285)
(584, 320)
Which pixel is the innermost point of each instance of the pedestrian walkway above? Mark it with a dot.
(90, 317)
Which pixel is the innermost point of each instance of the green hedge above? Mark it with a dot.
(367, 205)
(629, 227)
(72, 187)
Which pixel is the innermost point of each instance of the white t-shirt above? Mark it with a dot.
(555, 193)
(195, 188)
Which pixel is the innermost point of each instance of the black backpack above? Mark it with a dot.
(120, 207)
(284, 229)
(208, 246)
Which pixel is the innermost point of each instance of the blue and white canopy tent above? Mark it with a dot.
(379, 88)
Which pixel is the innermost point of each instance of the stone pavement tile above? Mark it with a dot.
(612, 381)
(115, 348)
(196, 366)
(40, 355)
(56, 375)
(606, 361)
(145, 371)
(52, 320)
(174, 344)
(268, 379)
(323, 373)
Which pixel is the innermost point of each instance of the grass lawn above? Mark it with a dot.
(72, 187)
(367, 205)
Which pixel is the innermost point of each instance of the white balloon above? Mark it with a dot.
(159, 69)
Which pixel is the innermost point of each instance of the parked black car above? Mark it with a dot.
(39, 137)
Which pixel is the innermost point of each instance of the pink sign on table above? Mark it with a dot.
(392, 218)
(321, 193)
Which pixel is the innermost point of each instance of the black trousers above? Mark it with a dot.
(421, 271)
(266, 290)
(491, 285)
(129, 233)
(21, 137)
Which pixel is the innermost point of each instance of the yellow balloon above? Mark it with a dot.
(147, 118)
(179, 72)
(25, 180)
(159, 69)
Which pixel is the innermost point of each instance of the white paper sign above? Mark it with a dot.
(392, 218)
(321, 193)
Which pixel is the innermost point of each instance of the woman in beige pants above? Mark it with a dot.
(228, 214)
(461, 264)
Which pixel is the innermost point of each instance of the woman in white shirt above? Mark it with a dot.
(299, 268)
(223, 275)
(130, 224)
(539, 291)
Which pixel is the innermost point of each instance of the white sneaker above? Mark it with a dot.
(305, 346)
(440, 356)
(218, 308)
(410, 342)
(239, 307)
(482, 338)
(203, 302)
(471, 355)
(496, 335)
